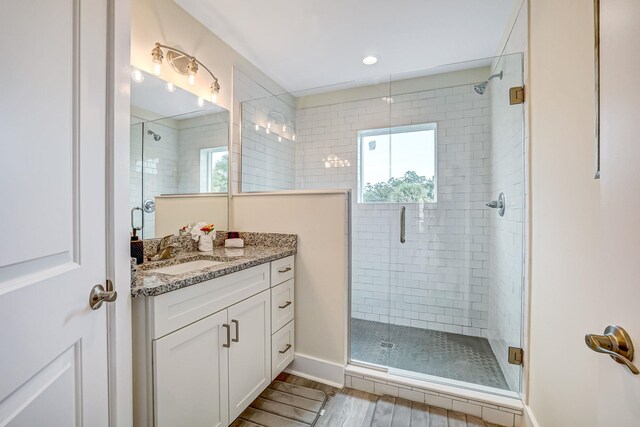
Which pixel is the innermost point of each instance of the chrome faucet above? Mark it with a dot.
(165, 250)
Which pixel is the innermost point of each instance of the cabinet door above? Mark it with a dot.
(250, 352)
(190, 375)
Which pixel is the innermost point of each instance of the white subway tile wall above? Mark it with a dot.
(438, 279)
(172, 164)
(268, 126)
(193, 136)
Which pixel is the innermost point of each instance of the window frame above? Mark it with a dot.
(206, 153)
(391, 131)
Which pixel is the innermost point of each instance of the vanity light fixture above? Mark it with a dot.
(171, 87)
(184, 64)
(369, 60)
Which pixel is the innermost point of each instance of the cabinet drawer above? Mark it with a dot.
(282, 349)
(282, 270)
(282, 305)
(176, 309)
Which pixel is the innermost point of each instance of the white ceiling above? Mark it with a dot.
(305, 44)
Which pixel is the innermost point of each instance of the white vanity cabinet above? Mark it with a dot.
(203, 353)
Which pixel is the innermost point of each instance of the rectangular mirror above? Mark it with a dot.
(179, 163)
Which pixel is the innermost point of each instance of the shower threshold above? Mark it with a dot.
(440, 392)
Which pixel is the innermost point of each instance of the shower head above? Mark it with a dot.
(481, 88)
(156, 137)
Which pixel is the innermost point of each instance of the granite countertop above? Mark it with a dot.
(145, 282)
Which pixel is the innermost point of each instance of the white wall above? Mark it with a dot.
(319, 220)
(174, 212)
(165, 22)
(565, 217)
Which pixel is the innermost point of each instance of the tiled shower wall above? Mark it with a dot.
(171, 165)
(268, 159)
(159, 166)
(439, 279)
(194, 135)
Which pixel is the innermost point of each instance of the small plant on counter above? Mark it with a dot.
(207, 229)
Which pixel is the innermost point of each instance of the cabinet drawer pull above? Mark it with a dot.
(285, 349)
(228, 344)
(287, 304)
(237, 338)
(284, 270)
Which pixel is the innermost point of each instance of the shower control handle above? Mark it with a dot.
(616, 343)
(499, 204)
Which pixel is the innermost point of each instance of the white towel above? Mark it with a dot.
(234, 243)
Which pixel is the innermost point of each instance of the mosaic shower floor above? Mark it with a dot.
(443, 354)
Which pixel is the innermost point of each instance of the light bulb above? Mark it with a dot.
(192, 70)
(268, 131)
(279, 139)
(200, 102)
(137, 76)
(293, 137)
(284, 128)
(257, 126)
(269, 125)
(157, 56)
(214, 97)
(171, 87)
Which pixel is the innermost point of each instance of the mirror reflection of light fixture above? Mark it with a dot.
(137, 75)
(184, 64)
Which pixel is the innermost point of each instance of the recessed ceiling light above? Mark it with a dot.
(369, 60)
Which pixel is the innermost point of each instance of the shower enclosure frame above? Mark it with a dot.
(399, 379)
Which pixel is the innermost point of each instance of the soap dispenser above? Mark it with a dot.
(137, 248)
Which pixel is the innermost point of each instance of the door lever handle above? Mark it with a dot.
(616, 343)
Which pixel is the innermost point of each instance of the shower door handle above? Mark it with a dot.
(402, 223)
(137, 208)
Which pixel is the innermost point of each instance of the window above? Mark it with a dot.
(214, 170)
(398, 165)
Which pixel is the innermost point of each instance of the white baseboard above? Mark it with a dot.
(318, 370)
(529, 418)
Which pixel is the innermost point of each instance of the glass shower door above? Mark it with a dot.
(456, 260)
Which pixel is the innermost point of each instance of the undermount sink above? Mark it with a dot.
(186, 267)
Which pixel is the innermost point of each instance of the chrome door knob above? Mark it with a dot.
(99, 295)
(616, 343)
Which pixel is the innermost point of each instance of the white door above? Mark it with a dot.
(250, 352)
(190, 375)
(53, 352)
(618, 299)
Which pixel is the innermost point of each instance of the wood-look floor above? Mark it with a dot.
(354, 408)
